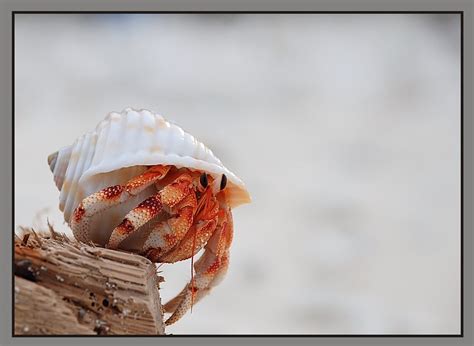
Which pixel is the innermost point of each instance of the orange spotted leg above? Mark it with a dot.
(210, 269)
(111, 196)
(168, 198)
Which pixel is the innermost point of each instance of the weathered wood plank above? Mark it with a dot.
(66, 287)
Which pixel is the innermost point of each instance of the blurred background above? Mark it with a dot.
(345, 129)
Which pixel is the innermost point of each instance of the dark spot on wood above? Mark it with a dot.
(23, 269)
(105, 302)
(101, 329)
(25, 239)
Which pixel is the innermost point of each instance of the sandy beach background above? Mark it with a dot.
(345, 128)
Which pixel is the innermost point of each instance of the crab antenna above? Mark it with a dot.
(192, 269)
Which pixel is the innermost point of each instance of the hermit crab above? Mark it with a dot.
(139, 183)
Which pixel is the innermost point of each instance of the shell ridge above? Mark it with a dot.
(61, 164)
(133, 138)
(73, 171)
(102, 136)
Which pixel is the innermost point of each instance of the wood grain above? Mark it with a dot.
(66, 287)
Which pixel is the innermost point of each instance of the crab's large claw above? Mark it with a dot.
(210, 269)
(171, 197)
(205, 223)
(166, 234)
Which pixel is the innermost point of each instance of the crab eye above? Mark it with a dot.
(203, 180)
(223, 182)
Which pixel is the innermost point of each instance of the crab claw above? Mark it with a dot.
(170, 196)
(205, 223)
(166, 234)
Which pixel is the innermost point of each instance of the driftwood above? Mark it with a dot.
(65, 287)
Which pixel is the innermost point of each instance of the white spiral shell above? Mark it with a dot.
(121, 146)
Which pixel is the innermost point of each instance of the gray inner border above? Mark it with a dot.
(7, 6)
